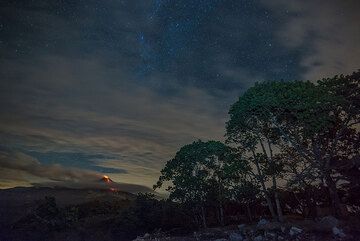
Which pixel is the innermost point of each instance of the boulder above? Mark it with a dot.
(329, 222)
(145, 237)
(258, 238)
(338, 232)
(295, 231)
(236, 237)
(271, 235)
(269, 226)
(262, 222)
(139, 239)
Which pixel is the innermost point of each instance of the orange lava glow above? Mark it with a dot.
(106, 178)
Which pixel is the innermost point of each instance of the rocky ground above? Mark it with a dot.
(326, 228)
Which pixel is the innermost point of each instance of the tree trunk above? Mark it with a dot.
(268, 199)
(196, 217)
(310, 205)
(248, 212)
(266, 194)
(203, 217)
(277, 200)
(334, 196)
(270, 205)
(276, 194)
(278, 207)
(221, 214)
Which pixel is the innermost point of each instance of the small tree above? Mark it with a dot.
(200, 169)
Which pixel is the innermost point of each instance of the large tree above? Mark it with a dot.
(317, 122)
(251, 130)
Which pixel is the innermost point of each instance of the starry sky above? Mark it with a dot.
(116, 87)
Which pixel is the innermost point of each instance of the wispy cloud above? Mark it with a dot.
(65, 114)
(19, 166)
(327, 31)
(20, 169)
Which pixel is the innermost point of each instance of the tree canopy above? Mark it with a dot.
(294, 136)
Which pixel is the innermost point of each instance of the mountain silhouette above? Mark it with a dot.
(106, 179)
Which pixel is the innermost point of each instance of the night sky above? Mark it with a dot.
(114, 87)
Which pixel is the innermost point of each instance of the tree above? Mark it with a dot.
(339, 143)
(315, 121)
(251, 129)
(200, 169)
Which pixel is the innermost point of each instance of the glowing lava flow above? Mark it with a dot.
(109, 183)
(106, 179)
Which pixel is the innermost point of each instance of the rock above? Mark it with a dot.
(258, 238)
(338, 232)
(262, 222)
(221, 239)
(236, 237)
(329, 221)
(139, 239)
(145, 237)
(241, 227)
(295, 231)
(269, 226)
(271, 235)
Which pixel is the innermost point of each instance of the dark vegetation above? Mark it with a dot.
(109, 217)
(291, 152)
(293, 145)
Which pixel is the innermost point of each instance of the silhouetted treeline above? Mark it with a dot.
(102, 219)
(293, 145)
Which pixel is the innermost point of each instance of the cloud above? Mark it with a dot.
(19, 169)
(327, 31)
(133, 127)
(27, 166)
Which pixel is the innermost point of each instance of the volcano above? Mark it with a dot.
(109, 183)
(106, 179)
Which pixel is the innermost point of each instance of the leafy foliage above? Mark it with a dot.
(198, 168)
